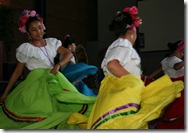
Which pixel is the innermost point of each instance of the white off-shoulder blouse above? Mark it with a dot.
(123, 51)
(168, 67)
(35, 57)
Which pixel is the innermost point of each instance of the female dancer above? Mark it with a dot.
(77, 72)
(123, 102)
(173, 65)
(45, 99)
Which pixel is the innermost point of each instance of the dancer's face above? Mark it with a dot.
(36, 30)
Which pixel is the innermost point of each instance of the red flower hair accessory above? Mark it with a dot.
(26, 14)
(133, 11)
(180, 45)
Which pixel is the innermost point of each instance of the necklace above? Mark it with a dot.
(44, 52)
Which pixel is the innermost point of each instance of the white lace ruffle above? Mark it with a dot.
(30, 51)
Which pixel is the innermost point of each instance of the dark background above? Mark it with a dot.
(87, 22)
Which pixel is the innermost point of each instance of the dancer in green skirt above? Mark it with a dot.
(45, 99)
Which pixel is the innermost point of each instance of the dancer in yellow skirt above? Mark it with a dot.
(123, 101)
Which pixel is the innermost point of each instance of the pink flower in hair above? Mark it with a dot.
(25, 12)
(180, 48)
(22, 29)
(33, 13)
(41, 19)
(127, 9)
(44, 28)
(180, 45)
(25, 16)
(133, 11)
(23, 20)
(137, 22)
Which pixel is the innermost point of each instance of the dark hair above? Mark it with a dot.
(173, 46)
(68, 40)
(30, 20)
(120, 22)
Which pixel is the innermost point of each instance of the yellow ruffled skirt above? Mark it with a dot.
(125, 103)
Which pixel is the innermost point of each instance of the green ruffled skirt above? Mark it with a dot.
(43, 101)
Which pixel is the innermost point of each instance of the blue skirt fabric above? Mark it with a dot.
(75, 73)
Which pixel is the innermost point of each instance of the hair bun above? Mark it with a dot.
(68, 40)
(170, 45)
(66, 36)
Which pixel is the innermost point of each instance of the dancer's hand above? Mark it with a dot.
(55, 69)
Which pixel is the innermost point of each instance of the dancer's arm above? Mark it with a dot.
(16, 74)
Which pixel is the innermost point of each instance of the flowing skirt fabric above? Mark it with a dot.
(173, 116)
(75, 73)
(125, 103)
(43, 101)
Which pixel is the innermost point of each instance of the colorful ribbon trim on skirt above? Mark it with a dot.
(20, 118)
(103, 119)
(83, 109)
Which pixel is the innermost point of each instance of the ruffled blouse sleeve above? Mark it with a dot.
(35, 57)
(20, 54)
(55, 43)
(120, 53)
(173, 60)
